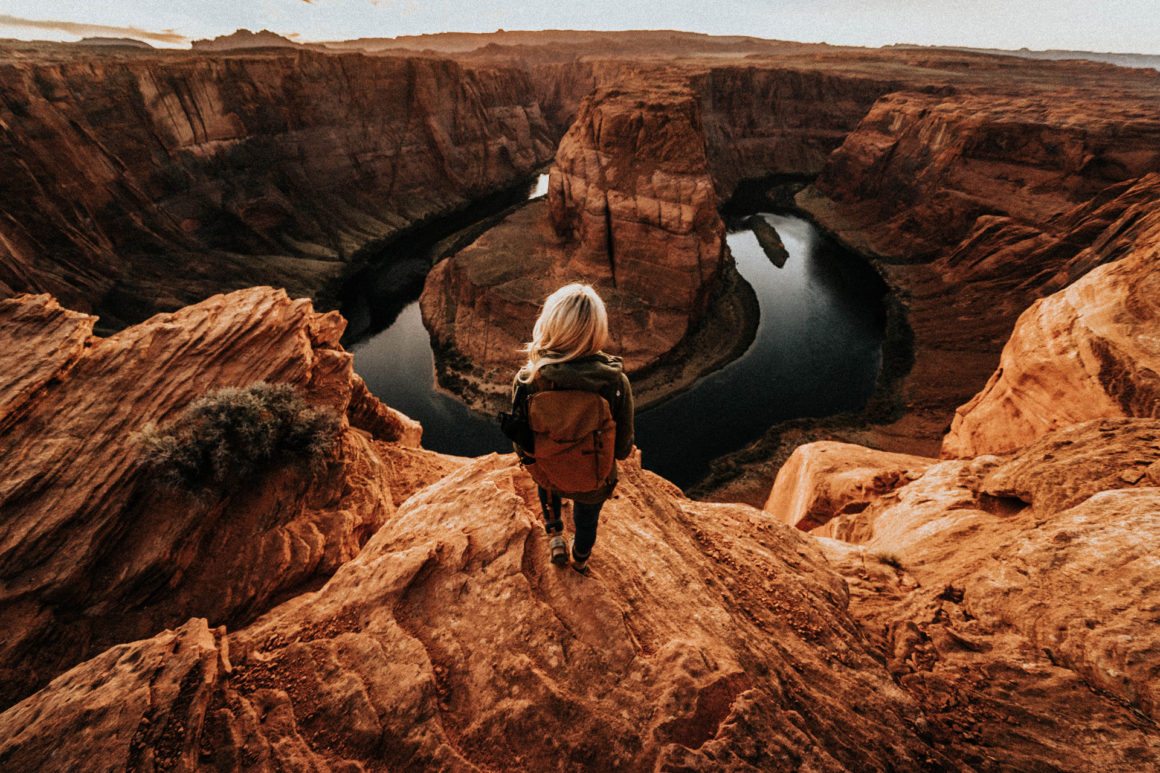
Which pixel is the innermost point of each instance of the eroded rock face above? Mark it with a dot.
(452, 642)
(631, 193)
(822, 481)
(1089, 351)
(981, 204)
(920, 169)
(140, 184)
(779, 119)
(94, 552)
(130, 708)
(1009, 596)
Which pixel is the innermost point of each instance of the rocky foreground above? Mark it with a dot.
(396, 609)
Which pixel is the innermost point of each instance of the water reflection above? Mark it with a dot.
(816, 352)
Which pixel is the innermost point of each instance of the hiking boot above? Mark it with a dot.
(579, 563)
(557, 549)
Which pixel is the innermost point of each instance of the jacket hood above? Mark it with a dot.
(589, 373)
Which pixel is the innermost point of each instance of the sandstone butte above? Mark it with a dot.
(631, 209)
(394, 609)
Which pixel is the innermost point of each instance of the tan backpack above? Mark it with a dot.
(575, 440)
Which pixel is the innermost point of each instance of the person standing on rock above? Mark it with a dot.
(579, 405)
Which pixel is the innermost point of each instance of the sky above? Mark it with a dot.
(1129, 26)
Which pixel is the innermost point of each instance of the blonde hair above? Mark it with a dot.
(573, 324)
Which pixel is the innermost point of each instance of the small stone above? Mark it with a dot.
(1131, 476)
(1153, 473)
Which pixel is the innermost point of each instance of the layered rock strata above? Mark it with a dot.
(631, 209)
(1007, 593)
(919, 170)
(1091, 350)
(977, 205)
(140, 184)
(93, 551)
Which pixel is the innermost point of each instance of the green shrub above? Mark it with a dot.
(230, 434)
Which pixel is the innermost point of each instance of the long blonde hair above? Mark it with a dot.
(573, 324)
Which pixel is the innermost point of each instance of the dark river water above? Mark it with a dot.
(817, 352)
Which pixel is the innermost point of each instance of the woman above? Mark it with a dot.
(565, 353)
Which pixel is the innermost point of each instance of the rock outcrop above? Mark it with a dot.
(1010, 597)
(919, 170)
(93, 551)
(631, 209)
(631, 193)
(820, 482)
(139, 184)
(398, 608)
(980, 203)
(452, 642)
(708, 637)
(1091, 350)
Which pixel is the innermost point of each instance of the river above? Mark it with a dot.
(817, 352)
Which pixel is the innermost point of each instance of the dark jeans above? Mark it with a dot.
(585, 516)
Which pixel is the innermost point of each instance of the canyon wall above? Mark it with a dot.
(143, 183)
(766, 119)
(94, 550)
(977, 202)
(920, 170)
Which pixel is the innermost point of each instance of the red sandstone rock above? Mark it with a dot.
(1086, 352)
(136, 706)
(632, 210)
(1011, 623)
(1009, 196)
(707, 638)
(824, 480)
(258, 168)
(919, 170)
(631, 193)
(92, 551)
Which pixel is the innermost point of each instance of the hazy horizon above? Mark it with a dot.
(1115, 26)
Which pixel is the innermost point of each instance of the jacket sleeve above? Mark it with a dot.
(625, 412)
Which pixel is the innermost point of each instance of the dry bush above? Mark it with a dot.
(228, 435)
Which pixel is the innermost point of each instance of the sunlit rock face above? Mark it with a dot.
(137, 185)
(1013, 592)
(707, 636)
(1089, 351)
(94, 550)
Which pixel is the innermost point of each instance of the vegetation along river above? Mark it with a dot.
(817, 352)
